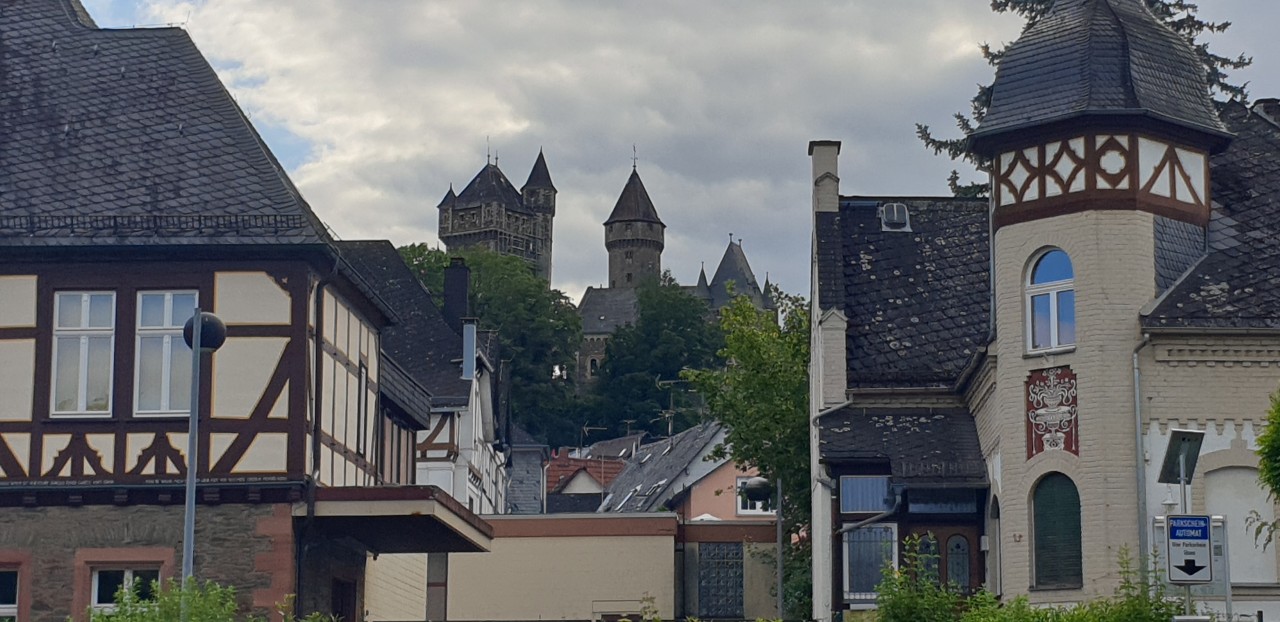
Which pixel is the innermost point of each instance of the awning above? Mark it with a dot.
(398, 519)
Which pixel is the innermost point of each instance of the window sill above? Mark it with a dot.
(78, 416)
(1035, 354)
(1055, 588)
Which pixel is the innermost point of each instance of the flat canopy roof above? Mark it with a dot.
(398, 519)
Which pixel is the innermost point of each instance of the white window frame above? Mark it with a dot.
(84, 332)
(754, 508)
(10, 610)
(169, 333)
(128, 583)
(865, 600)
(1052, 289)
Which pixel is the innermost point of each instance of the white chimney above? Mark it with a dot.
(826, 179)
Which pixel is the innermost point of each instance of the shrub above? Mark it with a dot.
(206, 602)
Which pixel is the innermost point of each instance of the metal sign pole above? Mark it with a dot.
(1182, 480)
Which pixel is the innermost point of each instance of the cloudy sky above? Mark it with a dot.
(376, 106)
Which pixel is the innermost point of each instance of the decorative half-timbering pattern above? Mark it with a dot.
(1052, 420)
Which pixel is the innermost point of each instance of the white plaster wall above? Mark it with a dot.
(17, 376)
(17, 301)
(242, 370)
(250, 298)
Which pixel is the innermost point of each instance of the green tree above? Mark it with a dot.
(761, 395)
(639, 379)
(1178, 15)
(538, 327)
(1268, 472)
(204, 602)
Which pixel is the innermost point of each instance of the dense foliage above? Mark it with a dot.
(205, 602)
(1268, 471)
(761, 395)
(538, 327)
(912, 593)
(639, 383)
(1179, 15)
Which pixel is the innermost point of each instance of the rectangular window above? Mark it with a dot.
(162, 373)
(362, 410)
(867, 551)
(863, 493)
(942, 501)
(747, 507)
(83, 353)
(107, 582)
(9, 595)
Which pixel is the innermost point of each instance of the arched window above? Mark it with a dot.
(594, 365)
(1056, 528)
(958, 561)
(1051, 302)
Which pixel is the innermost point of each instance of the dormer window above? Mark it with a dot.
(1051, 302)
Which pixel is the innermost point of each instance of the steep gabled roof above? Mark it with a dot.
(1098, 58)
(421, 343)
(660, 470)
(127, 137)
(634, 203)
(917, 301)
(539, 176)
(734, 267)
(449, 198)
(1237, 285)
(490, 185)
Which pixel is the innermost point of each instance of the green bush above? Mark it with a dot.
(206, 602)
(913, 594)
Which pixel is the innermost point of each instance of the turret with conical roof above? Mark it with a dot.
(490, 213)
(1099, 105)
(634, 236)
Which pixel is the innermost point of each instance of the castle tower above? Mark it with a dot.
(634, 237)
(1099, 134)
(539, 196)
(490, 213)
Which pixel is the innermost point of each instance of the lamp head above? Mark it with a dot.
(213, 333)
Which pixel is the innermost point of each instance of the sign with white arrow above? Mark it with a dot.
(1189, 559)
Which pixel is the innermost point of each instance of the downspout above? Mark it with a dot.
(317, 344)
(897, 503)
(1140, 463)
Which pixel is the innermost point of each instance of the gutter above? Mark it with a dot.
(1140, 454)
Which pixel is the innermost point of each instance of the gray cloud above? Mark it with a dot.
(396, 98)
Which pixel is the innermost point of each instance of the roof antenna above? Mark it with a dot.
(634, 158)
(488, 152)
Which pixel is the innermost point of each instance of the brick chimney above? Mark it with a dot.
(826, 180)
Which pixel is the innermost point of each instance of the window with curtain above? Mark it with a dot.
(163, 360)
(83, 353)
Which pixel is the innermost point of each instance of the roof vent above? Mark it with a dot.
(895, 217)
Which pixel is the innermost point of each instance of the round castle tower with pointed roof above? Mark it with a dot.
(634, 237)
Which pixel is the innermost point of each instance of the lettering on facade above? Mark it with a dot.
(1052, 420)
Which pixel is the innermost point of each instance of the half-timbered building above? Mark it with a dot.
(132, 191)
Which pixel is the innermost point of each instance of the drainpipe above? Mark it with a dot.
(544, 485)
(1140, 463)
(316, 412)
(897, 502)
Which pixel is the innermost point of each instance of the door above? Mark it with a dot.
(343, 605)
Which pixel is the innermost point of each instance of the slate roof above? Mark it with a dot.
(649, 480)
(734, 267)
(1098, 57)
(618, 448)
(422, 343)
(539, 176)
(922, 445)
(634, 203)
(605, 309)
(127, 137)
(524, 489)
(917, 301)
(1237, 285)
(488, 186)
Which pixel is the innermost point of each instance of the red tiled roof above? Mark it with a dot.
(562, 468)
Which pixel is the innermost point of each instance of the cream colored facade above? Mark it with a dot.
(567, 567)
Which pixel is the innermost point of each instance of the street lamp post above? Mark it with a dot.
(760, 489)
(204, 332)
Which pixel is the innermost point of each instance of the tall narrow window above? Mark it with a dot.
(1051, 302)
(83, 353)
(362, 411)
(1056, 528)
(162, 374)
(866, 553)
